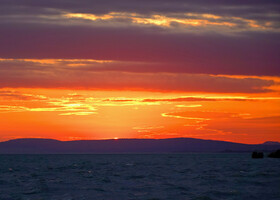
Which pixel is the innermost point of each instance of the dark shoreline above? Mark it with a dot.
(129, 146)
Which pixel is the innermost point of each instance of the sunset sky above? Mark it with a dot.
(101, 69)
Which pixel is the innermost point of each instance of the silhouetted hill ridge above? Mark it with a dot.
(271, 143)
(172, 145)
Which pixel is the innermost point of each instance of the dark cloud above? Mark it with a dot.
(119, 100)
(14, 95)
(252, 54)
(148, 6)
(34, 29)
(190, 99)
(56, 77)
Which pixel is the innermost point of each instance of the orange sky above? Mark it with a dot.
(84, 114)
(131, 69)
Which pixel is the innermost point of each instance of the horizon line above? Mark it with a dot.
(104, 139)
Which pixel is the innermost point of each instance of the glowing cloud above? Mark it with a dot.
(183, 19)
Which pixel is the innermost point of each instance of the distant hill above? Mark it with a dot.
(174, 145)
(271, 143)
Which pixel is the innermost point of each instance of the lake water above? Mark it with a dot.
(143, 176)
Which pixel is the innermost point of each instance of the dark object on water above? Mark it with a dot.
(257, 154)
(275, 154)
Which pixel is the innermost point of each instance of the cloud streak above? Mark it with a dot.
(179, 22)
(67, 77)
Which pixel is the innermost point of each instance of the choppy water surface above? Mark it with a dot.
(151, 176)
